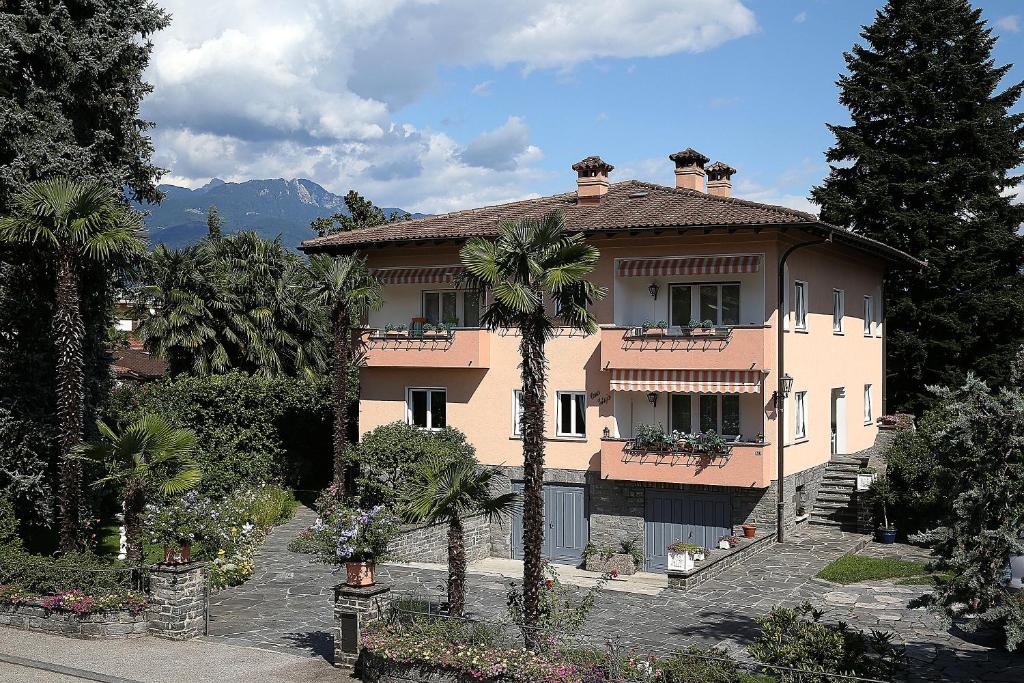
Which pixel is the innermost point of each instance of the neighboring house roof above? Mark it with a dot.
(631, 205)
(136, 364)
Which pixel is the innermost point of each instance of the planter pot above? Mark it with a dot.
(885, 535)
(749, 530)
(864, 480)
(680, 561)
(724, 545)
(359, 574)
(177, 554)
(655, 332)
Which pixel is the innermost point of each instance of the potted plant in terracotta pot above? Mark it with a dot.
(363, 540)
(749, 530)
(655, 329)
(176, 525)
(682, 556)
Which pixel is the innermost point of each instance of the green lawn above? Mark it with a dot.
(857, 568)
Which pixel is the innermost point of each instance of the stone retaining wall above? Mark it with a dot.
(117, 624)
(373, 669)
(705, 572)
(430, 543)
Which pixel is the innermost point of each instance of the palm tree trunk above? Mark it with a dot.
(534, 371)
(342, 361)
(134, 503)
(456, 568)
(68, 332)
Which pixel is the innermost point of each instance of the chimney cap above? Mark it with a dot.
(689, 156)
(593, 163)
(718, 171)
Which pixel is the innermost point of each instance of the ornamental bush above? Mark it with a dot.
(249, 429)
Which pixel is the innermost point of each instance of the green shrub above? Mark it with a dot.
(704, 665)
(796, 638)
(45, 575)
(250, 430)
(9, 537)
(26, 448)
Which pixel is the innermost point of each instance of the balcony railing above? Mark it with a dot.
(451, 348)
(718, 348)
(740, 464)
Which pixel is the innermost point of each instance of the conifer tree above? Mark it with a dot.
(926, 166)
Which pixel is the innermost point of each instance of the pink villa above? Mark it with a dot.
(690, 337)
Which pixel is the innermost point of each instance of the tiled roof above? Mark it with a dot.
(628, 205)
(136, 364)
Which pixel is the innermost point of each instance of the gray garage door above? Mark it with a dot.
(565, 530)
(673, 516)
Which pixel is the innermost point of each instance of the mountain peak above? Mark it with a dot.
(214, 182)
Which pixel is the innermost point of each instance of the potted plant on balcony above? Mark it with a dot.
(711, 443)
(363, 537)
(865, 477)
(654, 329)
(451, 323)
(395, 330)
(683, 556)
(430, 329)
(650, 438)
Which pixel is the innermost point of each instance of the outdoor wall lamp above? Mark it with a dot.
(653, 289)
(606, 433)
(653, 398)
(787, 385)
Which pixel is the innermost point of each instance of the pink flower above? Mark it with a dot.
(549, 584)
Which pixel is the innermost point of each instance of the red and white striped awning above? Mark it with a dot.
(691, 381)
(418, 276)
(687, 265)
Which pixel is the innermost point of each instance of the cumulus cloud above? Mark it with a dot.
(800, 18)
(1009, 23)
(271, 88)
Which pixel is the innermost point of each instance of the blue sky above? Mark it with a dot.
(440, 106)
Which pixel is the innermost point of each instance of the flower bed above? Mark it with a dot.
(74, 613)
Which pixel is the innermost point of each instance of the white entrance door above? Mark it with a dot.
(838, 421)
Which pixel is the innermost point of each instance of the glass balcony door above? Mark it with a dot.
(717, 302)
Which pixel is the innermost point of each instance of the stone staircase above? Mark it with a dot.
(836, 504)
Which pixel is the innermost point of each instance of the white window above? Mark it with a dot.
(517, 412)
(867, 404)
(838, 310)
(572, 414)
(869, 315)
(458, 308)
(800, 305)
(427, 408)
(717, 302)
(801, 415)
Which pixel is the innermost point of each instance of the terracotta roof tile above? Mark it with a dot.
(136, 364)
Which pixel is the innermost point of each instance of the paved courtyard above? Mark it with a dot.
(286, 606)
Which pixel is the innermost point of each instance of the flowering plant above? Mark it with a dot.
(13, 595)
(364, 535)
(78, 602)
(178, 521)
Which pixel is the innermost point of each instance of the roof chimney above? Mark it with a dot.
(592, 183)
(689, 169)
(720, 179)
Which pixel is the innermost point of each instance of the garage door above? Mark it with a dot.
(565, 524)
(671, 516)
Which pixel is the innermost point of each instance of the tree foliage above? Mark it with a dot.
(234, 303)
(924, 166)
(362, 213)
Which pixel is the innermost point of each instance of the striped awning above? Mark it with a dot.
(691, 381)
(418, 276)
(687, 265)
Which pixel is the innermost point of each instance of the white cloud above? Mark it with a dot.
(483, 88)
(800, 18)
(272, 88)
(1010, 22)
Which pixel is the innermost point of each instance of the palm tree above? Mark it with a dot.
(78, 223)
(147, 455)
(346, 287)
(446, 487)
(531, 261)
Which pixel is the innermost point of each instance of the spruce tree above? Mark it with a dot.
(925, 165)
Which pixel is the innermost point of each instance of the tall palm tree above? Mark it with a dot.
(145, 456)
(447, 487)
(531, 261)
(78, 223)
(347, 288)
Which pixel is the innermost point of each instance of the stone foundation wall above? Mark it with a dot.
(102, 625)
(430, 543)
(501, 531)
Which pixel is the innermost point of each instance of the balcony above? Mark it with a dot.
(722, 348)
(746, 465)
(458, 348)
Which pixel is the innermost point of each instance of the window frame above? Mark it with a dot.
(838, 310)
(581, 395)
(695, 301)
(869, 411)
(695, 414)
(800, 308)
(869, 315)
(460, 304)
(409, 391)
(517, 411)
(800, 415)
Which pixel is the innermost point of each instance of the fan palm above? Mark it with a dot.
(445, 489)
(533, 260)
(346, 287)
(78, 223)
(146, 456)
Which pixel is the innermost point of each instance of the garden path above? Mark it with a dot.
(286, 606)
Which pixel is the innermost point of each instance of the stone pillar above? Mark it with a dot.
(178, 600)
(354, 608)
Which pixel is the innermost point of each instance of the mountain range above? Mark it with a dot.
(270, 207)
